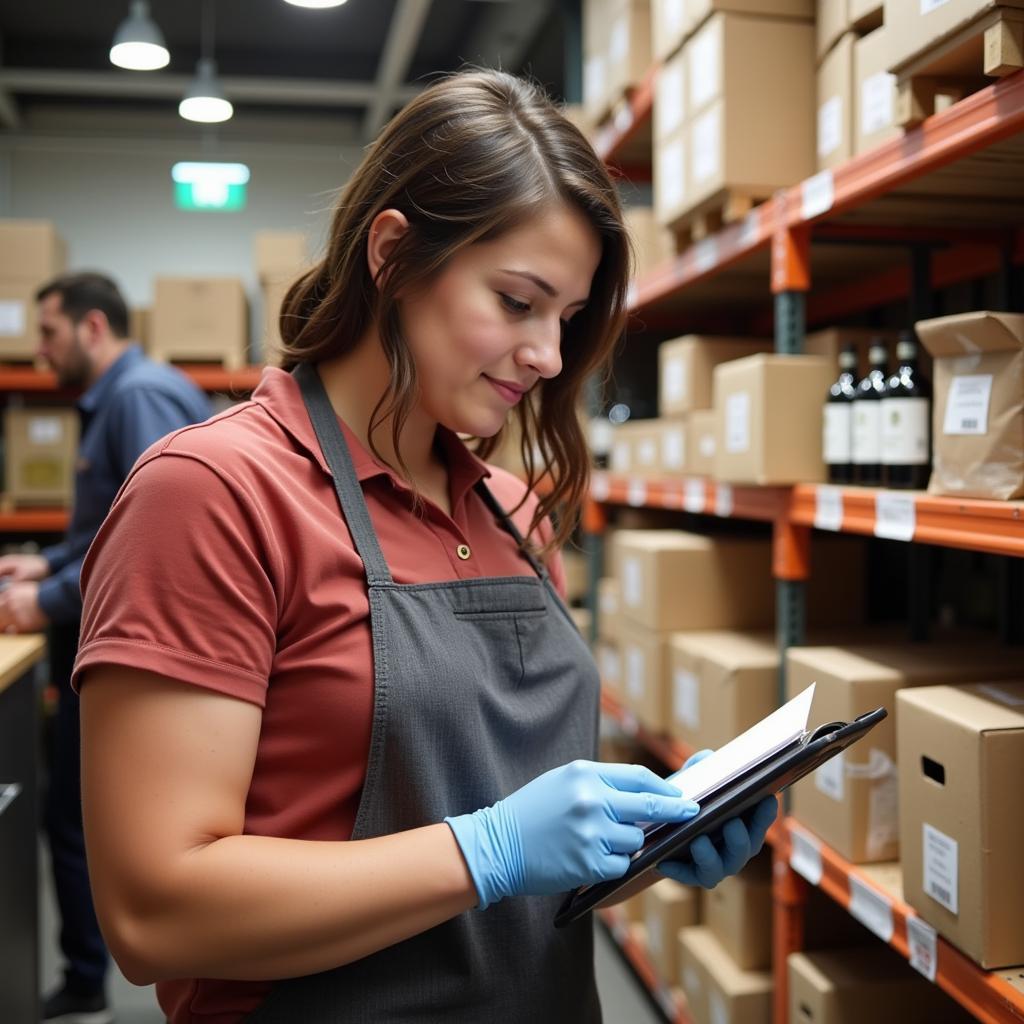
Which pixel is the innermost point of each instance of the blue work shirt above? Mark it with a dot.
(134, 404)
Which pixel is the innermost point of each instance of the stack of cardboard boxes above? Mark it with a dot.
(31, 253)
(616, 52)
(200, 320)
(280, 256)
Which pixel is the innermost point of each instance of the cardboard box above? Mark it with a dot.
(19, 320)
(978, 406)
(653, 245)
(669, 178)
(200, 318)
(271, 297)
(831, 21)
(670, 97)
(672, 458)
(139, 320)
(574, 563)
(686, 367)
(871, 983)
(742, 73)
(962, 749)
(596, 26)
(739, 913)
(716, 989)
(669, 907)
(609, 608)
(698, 11)
(629, 45)
(636, 448)
(852, 800)
(728, 581)
(874, 95)
(669, 22)
(581, 619)
(722, 682)
(40, 451)
(644, 654)
(31, 251)
(915, 28)
(835, 104)
(701, 442)
(609, 664)
(768, 412)
(279, 255)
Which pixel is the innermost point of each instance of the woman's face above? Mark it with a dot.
(490, 326)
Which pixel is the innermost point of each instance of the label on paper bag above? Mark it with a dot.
(635, 672)
(877, 95)
(837, 440)
(673, 449)
(704, 65)
(668, 104)
(13, 318)
(830, 126)
(671, 177)
(45, 430)
(905, 423)
(867, 433)
(686, 699)
(705, 146)
(922, 946)
(927, 6)
(829, 778)
(632, 582)
(967, 404)
(941, 854)
(737, 422)
(673, 380)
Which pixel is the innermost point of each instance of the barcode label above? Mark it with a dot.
(941, 855)
(923, 947)
(967, 405)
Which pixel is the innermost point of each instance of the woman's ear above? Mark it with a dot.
(385, 231)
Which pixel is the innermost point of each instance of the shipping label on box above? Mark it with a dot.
(40, 449)
(835, 105)
(644, 668)
(669, 23)
(874, 92)
(670, 97)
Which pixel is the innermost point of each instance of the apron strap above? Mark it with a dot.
(506, 521)
(346, 483)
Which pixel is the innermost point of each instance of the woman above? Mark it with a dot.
(336, 720)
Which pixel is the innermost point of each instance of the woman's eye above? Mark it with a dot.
(514, 305)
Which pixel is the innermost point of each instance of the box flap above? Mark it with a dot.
(978, 707)
(970, 333)
(728, 649)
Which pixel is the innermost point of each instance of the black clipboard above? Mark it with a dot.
(732, 799)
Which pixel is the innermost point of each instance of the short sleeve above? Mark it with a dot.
(179, 581)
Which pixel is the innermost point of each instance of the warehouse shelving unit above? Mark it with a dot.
(919, 195)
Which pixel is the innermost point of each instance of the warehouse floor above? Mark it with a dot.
(623, 1000)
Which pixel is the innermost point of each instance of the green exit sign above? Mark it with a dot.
(209, 186)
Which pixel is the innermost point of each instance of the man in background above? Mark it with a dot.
(129, 402)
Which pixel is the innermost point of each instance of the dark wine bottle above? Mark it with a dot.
(906, 421)
(837, 438)
(867, 418)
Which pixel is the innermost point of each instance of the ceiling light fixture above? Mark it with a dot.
(315, 3)
(205, 100)
(138, 42)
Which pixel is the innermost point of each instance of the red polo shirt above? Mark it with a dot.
(225, 563)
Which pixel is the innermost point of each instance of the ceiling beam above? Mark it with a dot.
(399, 50)
(10, 117)
(313, 92)
(505, 32)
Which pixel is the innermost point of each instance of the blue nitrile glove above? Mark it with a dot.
(708, 865)
(570, 826)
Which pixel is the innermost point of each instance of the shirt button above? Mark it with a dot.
(463, 551)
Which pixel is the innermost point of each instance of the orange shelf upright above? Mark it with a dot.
(34, 520)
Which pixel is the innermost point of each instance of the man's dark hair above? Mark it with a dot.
(80, 293)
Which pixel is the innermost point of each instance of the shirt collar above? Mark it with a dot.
(278, 393)
(99, 389)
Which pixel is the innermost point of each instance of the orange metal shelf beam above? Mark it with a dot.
(209, 378)
(34, 520)
(983, 993)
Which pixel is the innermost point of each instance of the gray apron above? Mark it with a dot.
(480, 685)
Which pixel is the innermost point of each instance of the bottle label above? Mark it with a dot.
(837, 443)
(867, 433)
(905, 424)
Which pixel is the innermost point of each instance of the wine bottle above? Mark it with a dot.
(837, 440)
(906, 421)
(867, 418)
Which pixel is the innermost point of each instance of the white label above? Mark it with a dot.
(927, 6)
(828, 510)
(632, 582)
(737, 422)
(45, 430)
(594, 79)
(671, 176)
(635, 672)
(695, 495)
(817, 195)
(941, 854)
(905, 423)
(636, 493)
(829, 778)
(830, 126)
(871, 908)
(647, 453)
(1011, 700)
(750, 231)
(621, 456)
(611, 665)
(805, 855)
(674, 14)
(895, 516)
(669, 106)
(622, 119)
(706, 445)
(13, 318)
(618, 46)
(706, 145)
(704, 67)
(719, 1008)
(723, 500)
(877, 99)
(673, 380)
(883, 813)
(673, 449)
(705, 254)
(600, 488)
(967, 405)
(921, 940)
(837, 439)
(867, 432)
(655, 936)
(686, 699)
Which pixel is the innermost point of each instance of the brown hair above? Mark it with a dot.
(474, 155)
(85, 291)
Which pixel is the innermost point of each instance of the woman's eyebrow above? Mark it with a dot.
(543, 285)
